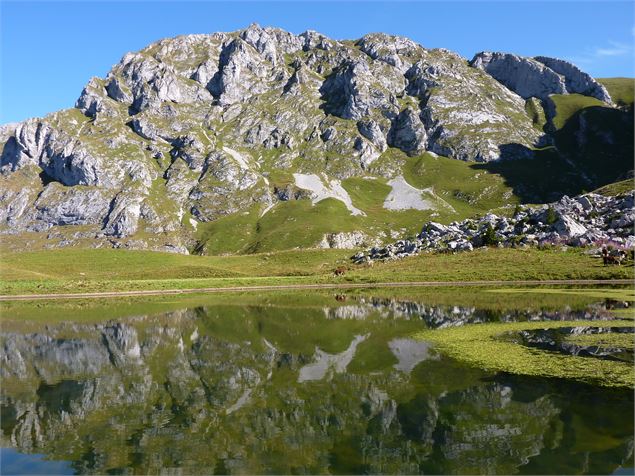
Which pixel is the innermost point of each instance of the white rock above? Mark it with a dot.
(345, 240)
(404, 196)
(567, 226)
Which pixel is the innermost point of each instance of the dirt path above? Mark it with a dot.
(282, 287)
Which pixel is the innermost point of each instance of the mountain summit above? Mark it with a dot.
(261, 139)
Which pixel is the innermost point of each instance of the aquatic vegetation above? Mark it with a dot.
(483, 345)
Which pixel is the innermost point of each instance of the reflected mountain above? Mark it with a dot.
(267, 389)
(556, 340)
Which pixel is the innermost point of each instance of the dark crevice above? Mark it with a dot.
(46, 178)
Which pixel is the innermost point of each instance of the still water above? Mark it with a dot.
(292, 384)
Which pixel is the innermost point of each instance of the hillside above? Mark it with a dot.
(262, 140)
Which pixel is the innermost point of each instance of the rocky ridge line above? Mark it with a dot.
(540, 76)
(190, 129)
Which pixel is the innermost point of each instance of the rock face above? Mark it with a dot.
(408, 133)
(345, 241)
(525, 76)
(195, 126)
(123, 217)
(539, 77)
(576, 81)
(586, 220)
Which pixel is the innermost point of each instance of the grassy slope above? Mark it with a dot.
(568, 104)
(573, 167)
(606, 153)
(622, 90)
(616, 188)
(299, 224)
(76, 270)
(467, 189)
(470, 189)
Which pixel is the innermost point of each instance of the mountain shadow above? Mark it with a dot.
(593, 148)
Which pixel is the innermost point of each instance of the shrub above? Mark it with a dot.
(489, 237)
(516, 239)
(551, 216)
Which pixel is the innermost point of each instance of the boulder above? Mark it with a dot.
(585, 202)
(568, 227)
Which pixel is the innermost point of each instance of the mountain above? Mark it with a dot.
(260, 139)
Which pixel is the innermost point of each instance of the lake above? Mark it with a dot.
(304, 383)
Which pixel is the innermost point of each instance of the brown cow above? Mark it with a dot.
(339, 271)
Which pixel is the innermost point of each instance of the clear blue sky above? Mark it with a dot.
(51, 49)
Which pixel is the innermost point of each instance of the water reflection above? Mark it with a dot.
(557, 340)
(266, 389)
(434, 316)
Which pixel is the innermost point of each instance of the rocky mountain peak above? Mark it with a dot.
(540, 76)
(192, 128)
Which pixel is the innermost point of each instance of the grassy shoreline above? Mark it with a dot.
(340, 286)
(71, 271)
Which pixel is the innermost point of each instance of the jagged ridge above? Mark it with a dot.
(194, 128)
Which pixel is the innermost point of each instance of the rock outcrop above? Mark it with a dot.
(525, 76)
(586, 220)
(345, 240)
(407, 133)
(538, 77)
(576, 80)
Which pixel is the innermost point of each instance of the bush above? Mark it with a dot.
(489, 237)
(551, 217)
(516, 239)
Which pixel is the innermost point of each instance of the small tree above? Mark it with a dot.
(551, 216)
(489, 236)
